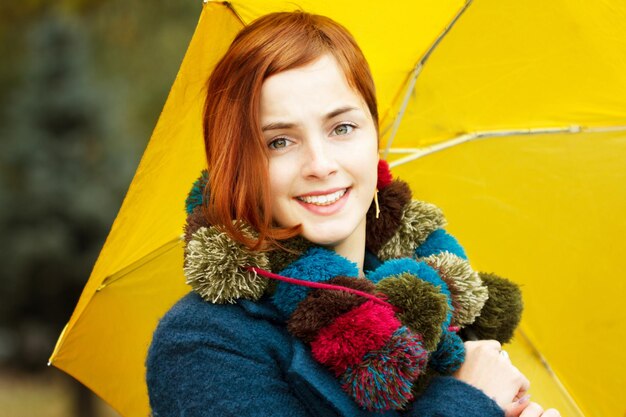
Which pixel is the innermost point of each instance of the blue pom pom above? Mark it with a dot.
(315, 265)
(449, 355)
(419, 269)
(195, 196)
(440, 241)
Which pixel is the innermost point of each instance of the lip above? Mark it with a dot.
(329, 209)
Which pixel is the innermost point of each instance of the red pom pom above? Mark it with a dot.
(384, 174)
(350, 336)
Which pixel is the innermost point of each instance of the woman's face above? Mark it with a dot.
(323, 153)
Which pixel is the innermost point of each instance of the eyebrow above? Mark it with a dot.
(282, 125)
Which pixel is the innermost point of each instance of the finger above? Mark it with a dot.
(524, 383)
(485, 344)
(493, 344)
(551, 412)
(533, 410)
(514, 409)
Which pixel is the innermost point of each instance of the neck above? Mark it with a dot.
(353, 248)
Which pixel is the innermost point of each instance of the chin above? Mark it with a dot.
(323, 240)
(330, 238)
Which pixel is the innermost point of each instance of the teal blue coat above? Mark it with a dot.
(239, 360)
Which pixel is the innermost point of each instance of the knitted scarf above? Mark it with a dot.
(382, 336)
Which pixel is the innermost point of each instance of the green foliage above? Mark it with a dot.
(60, 196)
(80, 89)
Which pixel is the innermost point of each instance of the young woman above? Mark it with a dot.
(291, 134)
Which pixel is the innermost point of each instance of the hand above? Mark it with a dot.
(523, 408)
(486, 369)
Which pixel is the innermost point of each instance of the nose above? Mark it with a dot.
(319, 160)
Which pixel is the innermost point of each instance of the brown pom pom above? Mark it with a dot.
(392, 200)
(321, 307)
(195, 220)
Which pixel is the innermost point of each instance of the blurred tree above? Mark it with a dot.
(59, 194)
(81, 86)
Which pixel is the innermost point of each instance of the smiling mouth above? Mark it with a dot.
(323, 200)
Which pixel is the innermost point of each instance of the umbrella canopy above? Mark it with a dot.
(509, 115)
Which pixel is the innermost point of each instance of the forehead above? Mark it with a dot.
(306, 91)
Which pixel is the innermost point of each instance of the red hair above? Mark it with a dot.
(235, 148)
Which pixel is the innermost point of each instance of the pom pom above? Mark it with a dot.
(437, 242)
(419, 219)
(421, 383)
(289, 251)
(321, 307)
(397, 267)
(392, 200)
(502, 311)
(383, 380)
(316, 265)
(384, 174)
(449, 355)
(195, 197)
(215, 267)
(468, 293)
(195, 221)
(424, 308)
(350, 336)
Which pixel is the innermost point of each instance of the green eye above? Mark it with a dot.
(278, 143)
(343, 129)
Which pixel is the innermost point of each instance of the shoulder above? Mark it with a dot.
(201, 353)
(192, 313)
(195, 322)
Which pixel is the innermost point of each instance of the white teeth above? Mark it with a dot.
(323, 200)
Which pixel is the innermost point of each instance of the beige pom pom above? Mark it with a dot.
(215, 267)
(468, 292)
(419, 219)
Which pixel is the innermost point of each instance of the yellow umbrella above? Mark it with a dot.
(511, 116)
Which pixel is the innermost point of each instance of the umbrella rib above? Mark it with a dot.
(416, 153)
(230, 7)
(161, 250)
(405, 103)
(550, 371)
(415, 73)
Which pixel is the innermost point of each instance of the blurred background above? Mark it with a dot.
(82, 83)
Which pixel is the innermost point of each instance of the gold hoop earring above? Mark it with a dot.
(376, 203)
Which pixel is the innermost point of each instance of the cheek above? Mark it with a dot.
(280, 183)
(275, 181)
(278, 199)
(367, 162)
